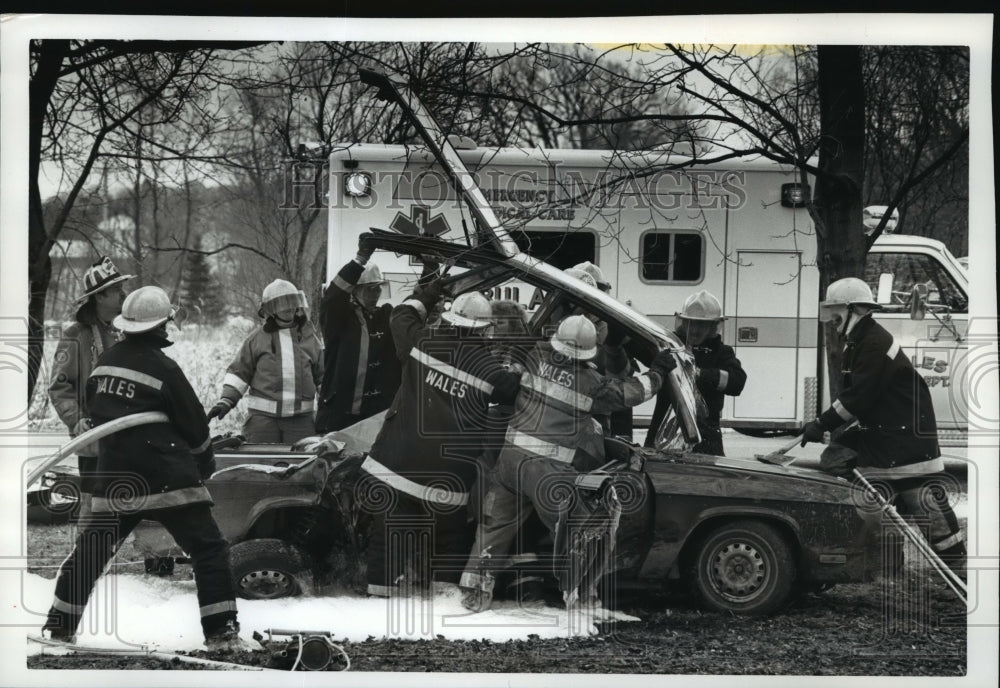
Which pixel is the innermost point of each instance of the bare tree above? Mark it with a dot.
(80, 94)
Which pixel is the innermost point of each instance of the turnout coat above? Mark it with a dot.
(720, 373)
(153, 466)
(360, 368)
(891, 402)
(434, 430)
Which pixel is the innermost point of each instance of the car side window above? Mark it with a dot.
(906, 270)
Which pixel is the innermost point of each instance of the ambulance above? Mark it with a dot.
(661, 227)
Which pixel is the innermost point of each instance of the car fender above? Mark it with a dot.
(268, 504)
(664, 554)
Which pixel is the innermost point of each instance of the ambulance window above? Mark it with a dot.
(672, 256)
(557, 248)
(908, 269)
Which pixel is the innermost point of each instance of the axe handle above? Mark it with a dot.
(94, 434)
(785, 448)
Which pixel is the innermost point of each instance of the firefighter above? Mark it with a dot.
(560, 393)
(619, 423)
(152, 472)
(426, 456)
(719, 372)
(279, 366)
(361, 370)
(883, 422)
(81, 345)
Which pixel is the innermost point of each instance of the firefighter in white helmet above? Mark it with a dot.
(554, 410)
(279, 367)
(154, 471)
(611, 358)
(882, 421)
(719, 371)
(361, 366)
(427, 452)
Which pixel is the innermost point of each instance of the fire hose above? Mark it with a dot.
(93, 435)
(956, 584)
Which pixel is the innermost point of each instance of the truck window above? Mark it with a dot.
(557, 248)
(908, 269)
(672, 256)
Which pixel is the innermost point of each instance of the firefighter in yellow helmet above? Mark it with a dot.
(279, 366)
(559, 395)
(883, 422)
(719, 371)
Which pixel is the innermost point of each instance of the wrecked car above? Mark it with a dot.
(745, 535)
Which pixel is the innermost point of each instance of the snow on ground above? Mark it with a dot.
(146, 610)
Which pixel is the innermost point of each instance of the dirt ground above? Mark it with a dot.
(875, 629)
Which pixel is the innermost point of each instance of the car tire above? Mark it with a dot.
(743, 568)
(267, 569)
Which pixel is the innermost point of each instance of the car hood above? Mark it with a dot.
(687, 472)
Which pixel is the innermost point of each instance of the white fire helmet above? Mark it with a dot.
(701, 306)
(279, 295)
(576, 338)
(594, 272)
(470, 309)
(371, 275)
(849, 291)
(581, 275)
(144, 309)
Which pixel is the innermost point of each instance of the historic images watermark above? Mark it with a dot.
(544, 192)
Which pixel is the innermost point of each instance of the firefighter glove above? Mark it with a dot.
(838, 460)
(663, 363)
(206, 463)
(365, 251)
(220, 409)
(708, 379)
(812, 432)
(429, 294)
(82, 426)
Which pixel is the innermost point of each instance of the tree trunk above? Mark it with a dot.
(839, 203)
(43, 81)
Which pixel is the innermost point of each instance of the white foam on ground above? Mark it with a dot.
(146, 610)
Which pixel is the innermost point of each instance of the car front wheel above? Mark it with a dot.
(744, 568)
(266, 569)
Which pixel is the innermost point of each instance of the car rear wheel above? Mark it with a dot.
(744, 568)
(266, 569)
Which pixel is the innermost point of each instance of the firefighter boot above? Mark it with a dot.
(226, 639)
(60, 626)
(479, 597)
(477, 585)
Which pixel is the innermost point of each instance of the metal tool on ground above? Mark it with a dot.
(311, 650)
(956, 584)
(94, 434)
(777, 457)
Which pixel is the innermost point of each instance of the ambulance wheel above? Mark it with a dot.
(267, 569)
(744, 567)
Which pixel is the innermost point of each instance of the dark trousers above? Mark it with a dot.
(192, 527)
(422, 540)
(262, 429)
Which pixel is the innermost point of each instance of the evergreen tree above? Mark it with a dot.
(201, 293)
